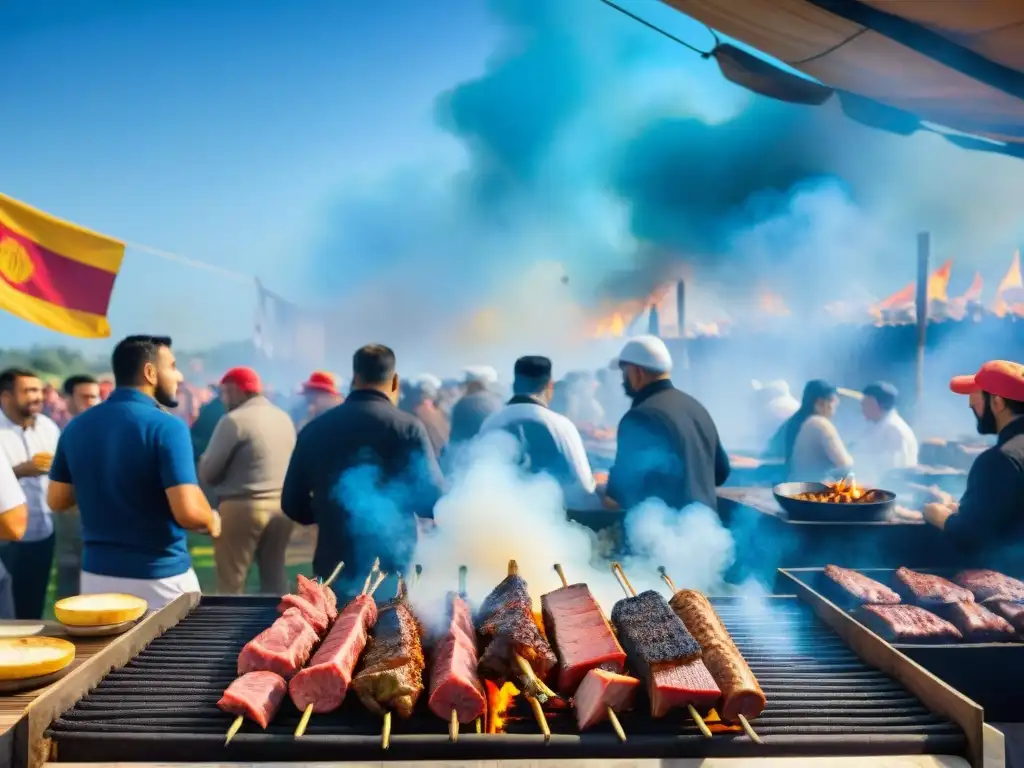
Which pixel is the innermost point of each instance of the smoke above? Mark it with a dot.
(494, 513)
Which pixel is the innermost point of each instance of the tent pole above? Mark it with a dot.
(924, 247)
(684, 363)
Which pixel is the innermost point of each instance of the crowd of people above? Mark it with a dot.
(110, 489)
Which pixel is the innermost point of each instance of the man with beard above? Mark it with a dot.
(668, 446)
(81, 392)
(989, 520)
(129, 466)
(365, 474)
(245, 463)
(28, 439)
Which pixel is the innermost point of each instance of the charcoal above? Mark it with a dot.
(650, 631)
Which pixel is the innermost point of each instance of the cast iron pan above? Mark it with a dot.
(830, 512)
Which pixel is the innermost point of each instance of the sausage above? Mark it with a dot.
(741, 694)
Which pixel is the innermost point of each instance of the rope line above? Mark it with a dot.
(195, 263)
(660, 31)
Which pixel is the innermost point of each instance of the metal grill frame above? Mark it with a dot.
(261, 747)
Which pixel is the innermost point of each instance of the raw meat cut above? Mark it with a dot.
(313, 615)
(676, 685)
(255, 695)
(991, 585)
(1012, 612)
(283, 647)
(581, 635)
(926, 589)
(391, 673)
(741, 693)
(507, 628)
(320, 595)
(859, 589)
(600, 690)
(978, 624)
(454, 682)
(325, 681)
(908, 624)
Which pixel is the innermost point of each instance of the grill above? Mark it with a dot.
(823, 700)
(992, 674)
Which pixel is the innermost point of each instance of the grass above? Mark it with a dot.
(299, 560)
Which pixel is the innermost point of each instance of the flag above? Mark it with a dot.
(54, 273)
(1009, 290)
(938, 283)
(286, 333)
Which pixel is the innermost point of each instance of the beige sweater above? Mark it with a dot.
(249, 451)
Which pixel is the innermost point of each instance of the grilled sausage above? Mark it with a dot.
(741, 694)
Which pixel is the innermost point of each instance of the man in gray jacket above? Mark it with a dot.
(245, 464)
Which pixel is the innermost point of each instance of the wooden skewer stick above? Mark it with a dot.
(625, 578)
(335, 573)
(417, 571)
(699, 721)
(381, 575)
(612, 717)
(513, 568)
(463, 578)
(538, 714)
(385, 731)
(747, 729)
(400, 590)
(621, 578)
(307, 713)
(370, 575)
(667, 579)
(234, 729)
(479, 726)
(453, 726)
(533, 683)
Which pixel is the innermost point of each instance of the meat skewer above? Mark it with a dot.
(391, 674)
(267, 685)
(663, 651)
(322, 685)
(456, 691)
(741, 693)
(603, 632)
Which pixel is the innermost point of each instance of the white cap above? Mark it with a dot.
(427, 382)
(647, 352)
(481, 374)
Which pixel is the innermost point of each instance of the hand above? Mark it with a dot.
(29, 469)
(937, 514)
(932, 494)
(42, 461)
(214, 527)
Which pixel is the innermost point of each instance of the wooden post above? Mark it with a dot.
(684, 361)
(924, 247)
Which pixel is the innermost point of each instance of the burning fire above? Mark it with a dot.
(498, 702)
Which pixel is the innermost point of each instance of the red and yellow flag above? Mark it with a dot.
(54, 273)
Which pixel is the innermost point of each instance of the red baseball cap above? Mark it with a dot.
(997, 377)
(321, 381)
(246, 379)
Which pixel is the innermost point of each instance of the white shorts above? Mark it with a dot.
(156, 592)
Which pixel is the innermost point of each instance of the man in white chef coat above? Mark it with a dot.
(888, 442)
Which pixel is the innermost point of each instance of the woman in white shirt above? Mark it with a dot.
(814, 451)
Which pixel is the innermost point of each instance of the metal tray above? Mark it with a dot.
(991, 674)
(823, 511)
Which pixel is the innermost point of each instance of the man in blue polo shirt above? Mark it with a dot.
(129, 466)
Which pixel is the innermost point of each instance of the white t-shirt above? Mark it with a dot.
(886, 444)
(11, 495)
(818, 452)
(19, 445)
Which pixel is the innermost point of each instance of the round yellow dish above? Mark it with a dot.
(99, 610)
(25, 657)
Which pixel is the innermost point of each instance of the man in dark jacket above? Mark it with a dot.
(988, 523)
(363, 472)
(668, 446)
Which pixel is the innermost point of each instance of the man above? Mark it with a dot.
(364, 473)
(888, 443)
(422, 403)
(13, 522)
(245, 464)
(81, 392)
(129, 466)
(988, 522)
(668, 446)
(28, 439)
(548, 441)
(320, 393)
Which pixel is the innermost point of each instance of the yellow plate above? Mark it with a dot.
(22, 657)
(98, 610)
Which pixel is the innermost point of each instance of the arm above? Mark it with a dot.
(722, 465)
(580, 493)
(431, 485)
(189, 506)
(988, 506)
(296, 493)
(13, 508)
(60, 495)
(214, 463)
(635, 437)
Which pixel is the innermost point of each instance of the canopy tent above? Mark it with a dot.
(898, 65)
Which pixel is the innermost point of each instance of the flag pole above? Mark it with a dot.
(924, 247)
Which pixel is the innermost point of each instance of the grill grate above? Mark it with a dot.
(822, 700)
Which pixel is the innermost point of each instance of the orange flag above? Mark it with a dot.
(1011, 281)
(938, 283)
(54, 273)
(974, 292)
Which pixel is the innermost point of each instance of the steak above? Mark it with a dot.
(325, 681)
(255, 695)
(859, 589)
(991, 585)
(926, 589)
(283, 647)
(391, 673)
(978, 624)
(908, 624)
(454, 682)
(1012, 612)
(320, 595)
(676, 685)
(581, 634)
(600, 690)
(314, 616)
(507, 628)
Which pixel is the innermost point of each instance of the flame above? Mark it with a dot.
(1008, 298)
(498, 702)
(938, 285)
